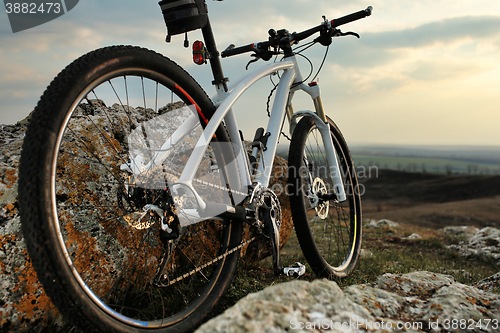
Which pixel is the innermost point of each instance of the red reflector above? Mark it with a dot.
(197, 46)
(198, 59)
(199, 53)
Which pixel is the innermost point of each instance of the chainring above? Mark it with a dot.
(267, 198)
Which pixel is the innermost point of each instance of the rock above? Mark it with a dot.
(485, 243)
(364, 253)
(381, 223)
(413, 236)
(288, 305)
(24, 304)
(412, 284)
(416, 297)
(489, 284)
(460, 231)
(414, 302)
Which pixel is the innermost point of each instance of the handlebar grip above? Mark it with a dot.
(237, 50)
(352, 17)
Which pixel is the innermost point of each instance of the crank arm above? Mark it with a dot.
(161, 277)
(274, 236)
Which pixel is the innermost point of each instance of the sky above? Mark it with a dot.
(423, 72)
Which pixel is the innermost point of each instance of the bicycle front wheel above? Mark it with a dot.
(329, 231)
(110, 245)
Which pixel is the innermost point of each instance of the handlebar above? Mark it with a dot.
(296, 37)
(231, 50)
(352, 17)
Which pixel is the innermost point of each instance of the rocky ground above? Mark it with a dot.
(413, 302)
(419, 301)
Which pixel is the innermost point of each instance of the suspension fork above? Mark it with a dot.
(323, 126)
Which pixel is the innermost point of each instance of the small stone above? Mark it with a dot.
(460, 231)
(364, 253)
(485, 243)
(380, 223)
(489, 284)
(414, 236)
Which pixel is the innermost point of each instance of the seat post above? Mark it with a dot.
(214, 56)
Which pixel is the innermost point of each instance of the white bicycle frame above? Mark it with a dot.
(282, 106)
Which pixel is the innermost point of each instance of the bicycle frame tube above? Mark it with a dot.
(222, 111)
(281, 105)
(264, 168)
(234, 134)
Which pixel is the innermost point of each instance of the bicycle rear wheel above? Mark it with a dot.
(329, 232)
(109, 247)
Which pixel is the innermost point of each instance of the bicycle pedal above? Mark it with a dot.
(295, 270)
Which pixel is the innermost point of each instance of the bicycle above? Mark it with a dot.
(134, 185)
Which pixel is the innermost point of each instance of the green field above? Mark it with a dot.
(427, 164)
(462, 160)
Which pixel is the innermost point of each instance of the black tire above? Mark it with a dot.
(93, 250)
(329, 232)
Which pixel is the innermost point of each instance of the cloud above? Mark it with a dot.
(439, 70)
(399, 63)
(427, 55)
(445, 32)
(20, 87)
(65, 34)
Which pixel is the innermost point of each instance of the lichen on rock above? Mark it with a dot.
(485, 243)
(413, 302)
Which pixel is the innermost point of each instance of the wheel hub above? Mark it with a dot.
(321, 207)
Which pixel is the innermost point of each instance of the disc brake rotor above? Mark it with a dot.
(321, 207)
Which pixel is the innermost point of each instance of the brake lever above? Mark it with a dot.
(339, 33)
(253, 60)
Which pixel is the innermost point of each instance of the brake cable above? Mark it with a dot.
(322, 63)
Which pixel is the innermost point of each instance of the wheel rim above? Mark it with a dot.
(112, 261)
(332, 224)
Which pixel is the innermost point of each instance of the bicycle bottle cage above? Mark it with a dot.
(184, 15)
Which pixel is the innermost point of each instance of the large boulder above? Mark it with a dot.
(24, 306)
(414, 302)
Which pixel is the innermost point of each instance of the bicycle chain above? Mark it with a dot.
(168, 171)
(222, 256)
(174, 173)
(211, 262)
